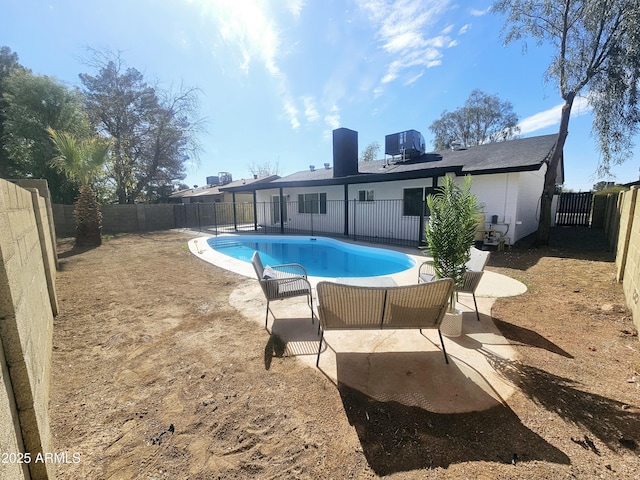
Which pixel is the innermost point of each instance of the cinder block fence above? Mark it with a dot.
(28, 303)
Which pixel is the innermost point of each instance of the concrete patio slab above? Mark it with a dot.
(403, 366)
(394, 365)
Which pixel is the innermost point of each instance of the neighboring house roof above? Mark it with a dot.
(209, 190)
(525, 154)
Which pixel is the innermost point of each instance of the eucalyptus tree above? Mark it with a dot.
(597, 55)
(31, 104)
(81, 160)
(482, 119)
(153, 132)
(370, 152)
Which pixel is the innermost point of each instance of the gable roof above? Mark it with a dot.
(525, 154)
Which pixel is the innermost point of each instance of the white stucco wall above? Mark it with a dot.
(530, 191)
(513, 197)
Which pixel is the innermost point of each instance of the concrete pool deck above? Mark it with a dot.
(392, 365)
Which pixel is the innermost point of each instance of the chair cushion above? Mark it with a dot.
(427, 277)
(292, 289)
(268, 273)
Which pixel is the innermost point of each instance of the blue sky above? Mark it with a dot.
(277, 76)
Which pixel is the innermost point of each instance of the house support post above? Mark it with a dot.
(235, 211)
(346, 210)
(281, 212)
(255, 211)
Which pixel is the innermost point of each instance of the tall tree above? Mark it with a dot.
(598, 56)
(153, 131)
(370, 152)
(34, 103)
(264, 169)
(81, 160)
(8, 63)
(483, 119)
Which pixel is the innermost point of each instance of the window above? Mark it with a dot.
(312, 203)
(365, 195)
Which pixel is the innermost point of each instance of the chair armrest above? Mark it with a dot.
(290, 269)
(292, 285)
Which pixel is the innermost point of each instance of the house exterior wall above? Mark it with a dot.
(387, 205)
(331, 222)
(497, 195)
(530, 190)
(512, 197)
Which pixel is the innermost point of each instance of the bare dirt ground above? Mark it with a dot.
(155, 375)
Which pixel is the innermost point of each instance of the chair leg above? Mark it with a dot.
(476, 304)
(319, 348)
(266, 317)
(310, 303)
(446, 359)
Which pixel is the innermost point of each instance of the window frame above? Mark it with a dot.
(313, 202)
(365, 196)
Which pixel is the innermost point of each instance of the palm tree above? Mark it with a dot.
(451, 229)
(81, 160)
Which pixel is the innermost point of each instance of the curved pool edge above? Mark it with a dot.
(492, 285)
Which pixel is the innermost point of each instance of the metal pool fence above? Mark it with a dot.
(381, 221)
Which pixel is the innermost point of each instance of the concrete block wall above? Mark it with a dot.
(119, 218)
(26, 328)
(10, 437)
(64, 220)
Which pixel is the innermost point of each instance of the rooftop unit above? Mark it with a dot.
(407, 144)
(222, 179)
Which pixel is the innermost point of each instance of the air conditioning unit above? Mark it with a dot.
(407, 144)
(224, 178)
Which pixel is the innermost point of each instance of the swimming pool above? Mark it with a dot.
(320, 256)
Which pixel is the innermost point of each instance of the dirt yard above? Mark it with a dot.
(155, 375)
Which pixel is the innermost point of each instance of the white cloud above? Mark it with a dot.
(464, 29)
(295, 7)
(414, 79)
(332, 120)
(479, 13)
(292, 113)
(310, 109)
(551, 116)
(404, 30)
(249, 28)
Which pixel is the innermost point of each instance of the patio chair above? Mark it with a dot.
(475, 268)
(283, 281)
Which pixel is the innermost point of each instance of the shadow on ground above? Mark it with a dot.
(524, 336)
(399, 438)
(615, 424)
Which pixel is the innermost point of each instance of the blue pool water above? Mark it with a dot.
(321, 257)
